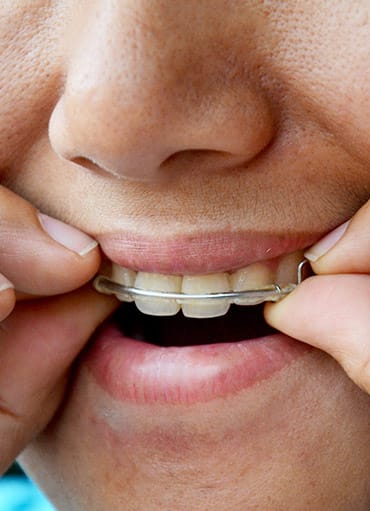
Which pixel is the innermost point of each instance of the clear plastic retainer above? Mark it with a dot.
(272, 293)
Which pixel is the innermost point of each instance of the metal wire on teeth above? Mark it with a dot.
(271, 293)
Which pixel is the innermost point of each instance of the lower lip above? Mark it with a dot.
(141, 373)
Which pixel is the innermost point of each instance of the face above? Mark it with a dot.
(194, 138)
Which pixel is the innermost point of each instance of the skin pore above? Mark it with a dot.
(167, 120)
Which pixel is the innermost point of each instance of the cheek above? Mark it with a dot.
(30, 70)
(321, 57)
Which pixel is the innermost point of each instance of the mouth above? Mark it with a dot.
(204, 296)
(159, 351)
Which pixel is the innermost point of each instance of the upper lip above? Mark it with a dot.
(207, 252)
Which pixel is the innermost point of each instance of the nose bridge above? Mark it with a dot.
(115, 55)
(113, 73)
(141, 86)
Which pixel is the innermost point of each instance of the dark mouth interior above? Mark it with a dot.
(239, 324)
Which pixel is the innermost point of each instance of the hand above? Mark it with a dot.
(41, 336)
(331, 311)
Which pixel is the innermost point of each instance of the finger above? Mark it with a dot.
(346, 249)
(330, 312)
(38, 343)
(39, 254)
(7, 297)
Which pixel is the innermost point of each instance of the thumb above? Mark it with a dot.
(330, 311)
(38, 344)
(346, 249)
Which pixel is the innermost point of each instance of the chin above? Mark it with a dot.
(289, 440)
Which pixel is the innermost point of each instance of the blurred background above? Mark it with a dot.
(18, 493)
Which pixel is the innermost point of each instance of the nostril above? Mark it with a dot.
(87, 164)
(202, 159)
(82, 161)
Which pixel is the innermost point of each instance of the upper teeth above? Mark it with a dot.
(213, 283)
(254, 276)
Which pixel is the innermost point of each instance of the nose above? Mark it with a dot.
(154, 87)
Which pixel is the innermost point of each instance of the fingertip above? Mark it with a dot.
(88, 248)
(82, 259)
(269, 312)
(90, 260)
(69, 273)
(346, 249)
(66, 235)
(323, 246)
(293, 312)
(274, 313)
(7, 297)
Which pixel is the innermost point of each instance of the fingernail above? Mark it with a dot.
(326, 243)
(68, 236)
(5, 284)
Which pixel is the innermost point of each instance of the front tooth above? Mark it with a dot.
(254, 276)
(125, 277)
(200, 284)
(286, 272)
(157, 282)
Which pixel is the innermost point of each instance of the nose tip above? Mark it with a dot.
(139, 114)
(150, 145)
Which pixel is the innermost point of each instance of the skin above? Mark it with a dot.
(138, 117)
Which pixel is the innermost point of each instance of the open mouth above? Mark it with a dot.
(168, 308)
(239, 324)
(160, 350)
